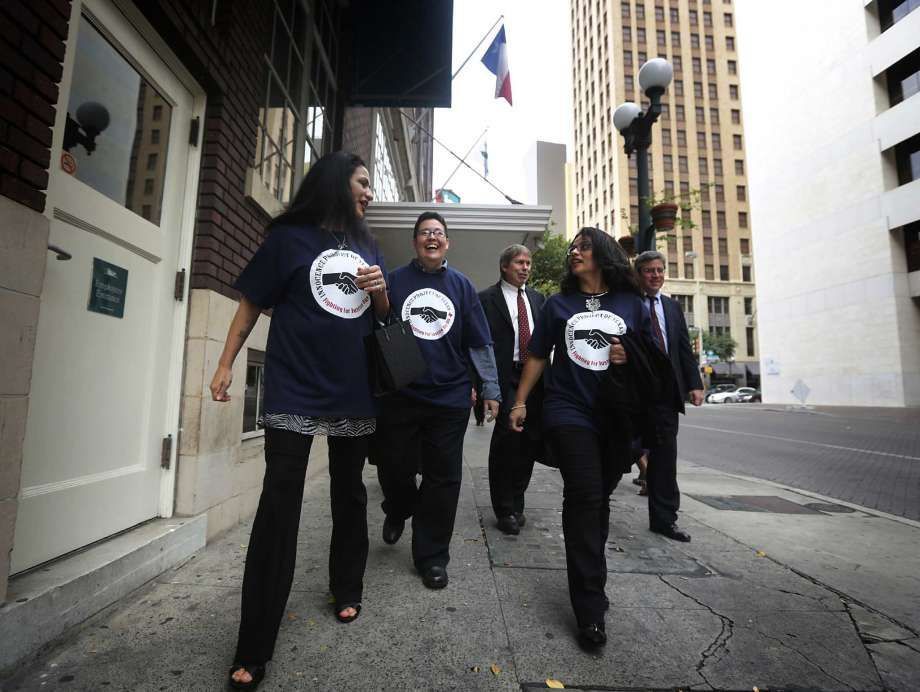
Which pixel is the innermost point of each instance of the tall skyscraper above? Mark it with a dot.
(697, 145)
(834, 145)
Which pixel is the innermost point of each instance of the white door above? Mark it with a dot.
(105, 352)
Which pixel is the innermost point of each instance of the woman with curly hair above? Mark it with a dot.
(599, 300)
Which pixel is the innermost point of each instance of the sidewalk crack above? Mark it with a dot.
(717, 645)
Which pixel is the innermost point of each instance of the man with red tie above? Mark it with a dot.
(669, 330)
(512, 310)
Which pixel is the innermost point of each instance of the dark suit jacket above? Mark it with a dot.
(496, 309)
(686, 368)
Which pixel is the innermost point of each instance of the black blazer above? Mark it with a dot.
(686, 368)
(499, 319)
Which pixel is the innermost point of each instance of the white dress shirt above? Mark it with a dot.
(659, 312)
(511, 300)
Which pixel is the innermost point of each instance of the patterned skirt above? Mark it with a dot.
(320, 425)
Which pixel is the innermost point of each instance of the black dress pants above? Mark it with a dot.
(510, 466)
(406, 425)
(589, 477)
(272, 549)
(661, 475)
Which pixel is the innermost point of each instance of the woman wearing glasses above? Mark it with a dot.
(427, 420)
(599, 300)
(321, 272)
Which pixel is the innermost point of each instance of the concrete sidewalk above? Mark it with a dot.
(772, 593)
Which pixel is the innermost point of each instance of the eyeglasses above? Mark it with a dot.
(432, 233)
(652, 270)
(583, 247)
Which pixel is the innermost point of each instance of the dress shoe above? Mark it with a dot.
(435, 577)
(592, 636)
(521, 519)
(508, 525)
(672, 532)
(392, 530)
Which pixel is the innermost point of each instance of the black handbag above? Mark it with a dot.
(394, 358)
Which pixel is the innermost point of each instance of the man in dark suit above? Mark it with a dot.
(669, 330)
(512, 310)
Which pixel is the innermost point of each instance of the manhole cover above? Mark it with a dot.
(754, 503)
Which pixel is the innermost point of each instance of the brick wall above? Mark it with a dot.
(227, 59)
(32, 36)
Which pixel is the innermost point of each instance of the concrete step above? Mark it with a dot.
(46, 603)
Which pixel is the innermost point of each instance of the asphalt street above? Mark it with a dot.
(870, 457)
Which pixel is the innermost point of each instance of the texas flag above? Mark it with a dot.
(496, 60)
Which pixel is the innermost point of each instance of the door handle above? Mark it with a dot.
(62, 254)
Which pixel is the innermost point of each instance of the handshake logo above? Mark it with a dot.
(332, 283)
(589, 335)
(430, 312)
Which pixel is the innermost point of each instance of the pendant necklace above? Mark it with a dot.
(343, 243)
(593, 302)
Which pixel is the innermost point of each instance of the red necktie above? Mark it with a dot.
(656, 327)
(523, 325)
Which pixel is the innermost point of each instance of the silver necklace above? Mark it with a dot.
(343, 243)
(593, 301)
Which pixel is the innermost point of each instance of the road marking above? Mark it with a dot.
(802, 442)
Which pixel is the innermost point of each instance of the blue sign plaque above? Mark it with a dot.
(108, 289)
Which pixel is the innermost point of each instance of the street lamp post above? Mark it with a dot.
(636, 128)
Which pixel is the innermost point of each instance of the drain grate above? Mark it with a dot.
(829, 507)
(756, 503)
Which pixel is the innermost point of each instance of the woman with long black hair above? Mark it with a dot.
(599, 300)
(321, 272)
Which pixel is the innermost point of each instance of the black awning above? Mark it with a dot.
(401, 53)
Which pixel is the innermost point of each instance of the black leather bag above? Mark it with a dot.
(394, 358)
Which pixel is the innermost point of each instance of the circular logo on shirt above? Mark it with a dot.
(430, 313)
(332, 282)
(588, 336)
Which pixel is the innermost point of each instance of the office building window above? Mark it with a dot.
(681, 138)
(742, 219)
(907, 156)
(720, 219)
(682, 165)
(744, 244)
(640, 32)
(697, 66)
(694, 17)
(728, 19)
(675, 15)
(741, 193)
(707, 18)
(723, 247)
(694, 40)
(750, 340)
(893, 11)
(714, 116)
(624, 9)
(627, 58)
(723, 272)
(627, 33)
(730, 43)
(679, 113)
(675, 40)
(717, 143)
(679, 88)
(739, 167)
(662, 38)
(904, 78)
(711, 66)
(748, 306)
(688, 270)
(640, 11)
(707, 245)
(666, 137)
(659, 13)
(677, 62)
(736, 141)
(709, 42)
(713, 90)
(732, 67)
(700, 114)
(703, 164)
(733, 92)
(745, 272)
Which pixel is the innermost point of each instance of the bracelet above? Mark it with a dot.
(518, 406)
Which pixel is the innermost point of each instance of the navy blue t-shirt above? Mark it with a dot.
(447, 319)
(581, 338)
(315, 361)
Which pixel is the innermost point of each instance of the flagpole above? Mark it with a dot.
(485, 36)
(468, 152)
(457, 156)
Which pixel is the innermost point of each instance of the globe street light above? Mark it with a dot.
(636, 128)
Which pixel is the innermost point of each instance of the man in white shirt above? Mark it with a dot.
(512, 310)
(669, 329)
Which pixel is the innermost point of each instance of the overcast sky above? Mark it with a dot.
(539, 58)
